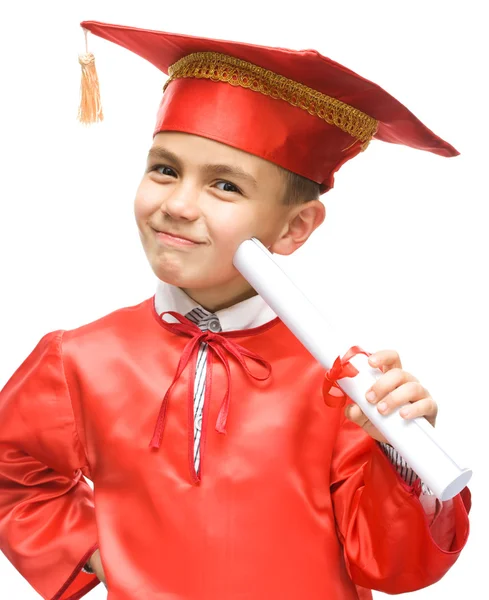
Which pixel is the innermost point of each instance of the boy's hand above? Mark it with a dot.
(96, 564)
(393, 389)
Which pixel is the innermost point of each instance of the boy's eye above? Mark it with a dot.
(228, 187)
(164, 170)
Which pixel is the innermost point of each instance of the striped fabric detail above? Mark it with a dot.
(404, 470)
(204, 320)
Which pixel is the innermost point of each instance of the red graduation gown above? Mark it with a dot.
(294, 501)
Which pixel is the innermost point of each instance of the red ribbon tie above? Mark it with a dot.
(218, 344)
(333, 395)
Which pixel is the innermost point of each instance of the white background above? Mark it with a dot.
(400, 262)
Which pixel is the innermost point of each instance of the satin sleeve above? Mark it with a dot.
(389, 541)
(47, 519)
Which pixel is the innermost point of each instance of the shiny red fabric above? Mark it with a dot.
(263, 126)
(294, 502)
(271, 128)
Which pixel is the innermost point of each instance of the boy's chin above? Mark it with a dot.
(203, 278)
(172, 279)
(182, 281)
(195, 283)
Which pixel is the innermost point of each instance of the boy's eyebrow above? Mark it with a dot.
(160, 153)
(231, 171)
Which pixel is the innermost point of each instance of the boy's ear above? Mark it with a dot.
(302, 221)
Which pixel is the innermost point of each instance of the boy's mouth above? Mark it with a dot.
(173, 239)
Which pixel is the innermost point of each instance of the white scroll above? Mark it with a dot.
(415, 439)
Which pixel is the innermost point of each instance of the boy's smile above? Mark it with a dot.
(166, 237)
(198, 200)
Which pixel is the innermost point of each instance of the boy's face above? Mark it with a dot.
(216, 196)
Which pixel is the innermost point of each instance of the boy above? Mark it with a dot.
(218, 470)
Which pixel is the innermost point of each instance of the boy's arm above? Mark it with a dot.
(390, 542)
(47, 520)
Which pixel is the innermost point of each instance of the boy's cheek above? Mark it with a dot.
(149, 196)
(144, 207)
(230, 226)
(227, 240)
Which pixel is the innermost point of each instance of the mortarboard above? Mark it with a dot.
(297, 109)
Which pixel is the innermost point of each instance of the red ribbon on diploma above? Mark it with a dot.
(333, 395)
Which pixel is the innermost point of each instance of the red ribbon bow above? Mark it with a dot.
(216, 343)
(333, 395)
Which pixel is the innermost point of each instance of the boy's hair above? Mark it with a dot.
(298, 189)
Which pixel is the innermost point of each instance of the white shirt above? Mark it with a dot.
(246, 314)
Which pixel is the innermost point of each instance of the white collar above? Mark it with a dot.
(246, 314)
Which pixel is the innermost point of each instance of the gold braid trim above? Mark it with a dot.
(237, 72)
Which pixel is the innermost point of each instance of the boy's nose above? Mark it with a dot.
(182, 204)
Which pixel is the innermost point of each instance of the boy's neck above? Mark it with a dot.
(218, 298)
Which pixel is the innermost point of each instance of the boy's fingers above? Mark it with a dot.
(390, 383)
(425, 407)
(355, 414)
(385, 360)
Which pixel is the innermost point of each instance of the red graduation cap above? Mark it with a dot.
(297, 109)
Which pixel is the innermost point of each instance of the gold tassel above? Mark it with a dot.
(90, 109)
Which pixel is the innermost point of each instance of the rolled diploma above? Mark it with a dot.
(415, 439)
